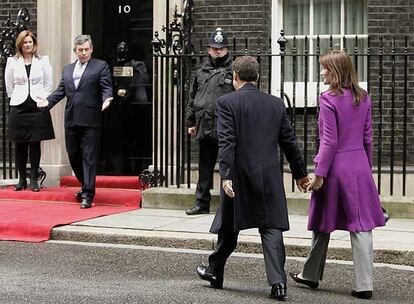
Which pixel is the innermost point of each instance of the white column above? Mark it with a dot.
(58, 22)
(160, 20)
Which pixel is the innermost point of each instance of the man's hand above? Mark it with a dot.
(303, 183)
(106, 103)
(316, 183)
(227, 185)
(192, 131)
(43, 103)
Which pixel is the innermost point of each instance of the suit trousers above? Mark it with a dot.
(207, 161)
(273, 251)
(82, 147)
(362, 255)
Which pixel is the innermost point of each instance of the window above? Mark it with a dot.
(323, 18)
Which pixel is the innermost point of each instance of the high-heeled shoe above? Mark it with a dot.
(311, 284)
(367, 294)
(21, 185)
(34, 185)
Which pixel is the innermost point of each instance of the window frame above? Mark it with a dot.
(312, 85)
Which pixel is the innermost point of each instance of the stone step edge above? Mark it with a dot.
(199, 241)
(298, 203)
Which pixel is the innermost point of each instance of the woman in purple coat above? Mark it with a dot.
(345, 196)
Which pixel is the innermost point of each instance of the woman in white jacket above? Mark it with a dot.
(28, 76)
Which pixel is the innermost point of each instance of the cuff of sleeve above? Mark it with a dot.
(226, 174)
(299, 170)
(190, 123)
(321, 173)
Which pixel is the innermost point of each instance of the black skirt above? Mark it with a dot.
(28, 123)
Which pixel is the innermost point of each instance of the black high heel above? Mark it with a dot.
(33, 179)
(21, 185)
(367, 294)
(34, 185)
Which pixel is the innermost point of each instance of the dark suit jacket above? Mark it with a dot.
(250, 126)
(84, 103)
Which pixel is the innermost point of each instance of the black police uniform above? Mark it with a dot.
(213, 79)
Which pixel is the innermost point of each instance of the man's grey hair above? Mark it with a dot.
(81, 39)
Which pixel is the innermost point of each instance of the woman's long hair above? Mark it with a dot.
(20, 41)
(342, 74)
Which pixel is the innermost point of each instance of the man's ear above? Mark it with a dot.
(235, 76)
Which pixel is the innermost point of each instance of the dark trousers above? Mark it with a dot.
(207, 161)
(24, 149)
(82, 147)
(273, 251)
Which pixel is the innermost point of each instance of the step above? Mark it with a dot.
(298, 203)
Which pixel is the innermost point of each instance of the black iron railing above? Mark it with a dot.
(383, 69)
(288, 68)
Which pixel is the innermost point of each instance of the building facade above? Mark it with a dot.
(253, 27)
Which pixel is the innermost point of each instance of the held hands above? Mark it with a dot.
(106, 103)
(43, 103)
(192, 131)
(303, 183)
(227, 185)
(316, 183)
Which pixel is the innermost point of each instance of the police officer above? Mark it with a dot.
(212, 80)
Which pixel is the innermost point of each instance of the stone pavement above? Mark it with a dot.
(172, 228)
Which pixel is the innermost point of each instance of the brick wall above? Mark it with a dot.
(386, 18)
(239, 19)
(12, 7)
(392, 19)
(249, 19)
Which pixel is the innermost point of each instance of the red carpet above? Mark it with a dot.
(125, 182)
(30, 216)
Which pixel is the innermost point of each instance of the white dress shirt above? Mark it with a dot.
(78, 71)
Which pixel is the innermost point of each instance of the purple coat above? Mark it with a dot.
(348, 199)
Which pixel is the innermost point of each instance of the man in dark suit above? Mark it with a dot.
(87, 85)
(250, 126)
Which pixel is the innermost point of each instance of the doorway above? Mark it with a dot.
(122, 32)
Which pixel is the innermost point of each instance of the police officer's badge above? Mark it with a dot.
(218, 38)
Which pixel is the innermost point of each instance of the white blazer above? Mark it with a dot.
(17, 83)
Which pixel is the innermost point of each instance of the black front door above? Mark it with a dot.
(121, 32)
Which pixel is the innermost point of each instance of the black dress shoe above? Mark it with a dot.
(78, 196)
(197, 210)
(21, 185)
(86, 203)
(205, 273)
(295, 278)
(278, 291)
(367, 294)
